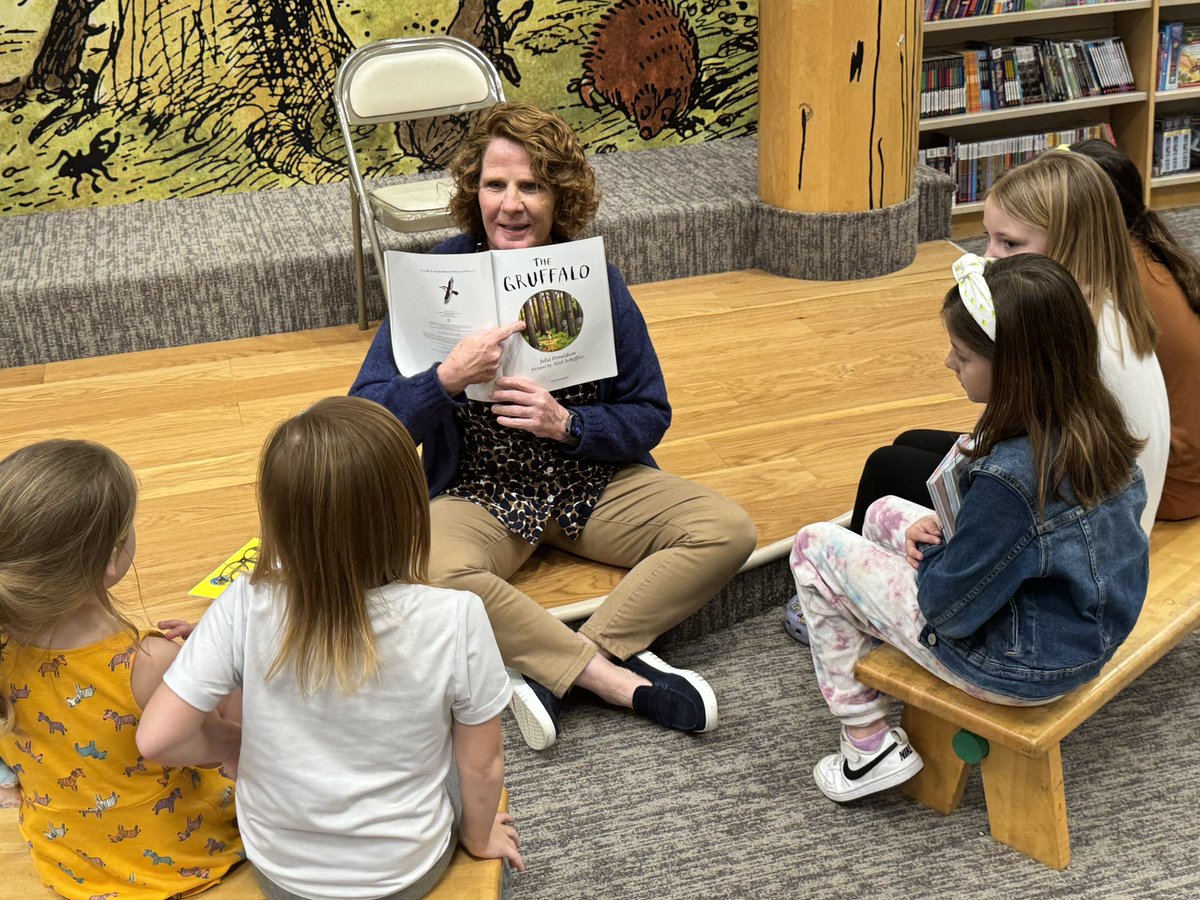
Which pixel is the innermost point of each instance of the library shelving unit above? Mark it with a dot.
(1130, 114)
(1180, 188)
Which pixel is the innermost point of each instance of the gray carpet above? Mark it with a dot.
(621, 808)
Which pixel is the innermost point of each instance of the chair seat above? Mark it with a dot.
(414, 205)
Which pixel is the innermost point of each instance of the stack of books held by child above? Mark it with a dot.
(944, 488)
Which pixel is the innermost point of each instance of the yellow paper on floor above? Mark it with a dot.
(239, 564)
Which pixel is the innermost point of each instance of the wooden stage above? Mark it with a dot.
(780, 390)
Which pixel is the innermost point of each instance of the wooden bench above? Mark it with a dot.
(467, 878)
(1022, 768)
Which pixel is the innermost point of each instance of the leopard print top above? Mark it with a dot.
(526, 481)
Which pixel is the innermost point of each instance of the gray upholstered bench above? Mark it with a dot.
(122, 278)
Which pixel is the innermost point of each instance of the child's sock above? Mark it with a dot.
(871, 742)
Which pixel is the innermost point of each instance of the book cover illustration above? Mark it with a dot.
(560, 292)
(238, 564)
(943, 485)
(1189, 56)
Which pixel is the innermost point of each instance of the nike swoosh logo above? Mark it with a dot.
(855, 774)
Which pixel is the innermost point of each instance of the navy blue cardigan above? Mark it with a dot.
(630, 418)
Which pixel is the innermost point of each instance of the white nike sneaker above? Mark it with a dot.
(853, 773)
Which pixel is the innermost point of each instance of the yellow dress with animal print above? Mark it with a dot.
(99, 820)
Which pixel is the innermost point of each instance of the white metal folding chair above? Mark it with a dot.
(398, 80)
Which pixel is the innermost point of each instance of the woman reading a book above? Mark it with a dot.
(569, 468)
(1046, 569)
(1170, 279)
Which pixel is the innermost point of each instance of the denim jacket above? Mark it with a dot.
(1033, 606)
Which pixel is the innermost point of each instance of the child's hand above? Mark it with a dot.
(504, 842)
(176, 628)
(926, 530)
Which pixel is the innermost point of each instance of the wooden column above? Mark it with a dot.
(838, 94)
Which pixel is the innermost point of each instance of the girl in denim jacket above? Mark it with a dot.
(1046, 569)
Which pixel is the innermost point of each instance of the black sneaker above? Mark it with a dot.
(536, 710)
(676, 698)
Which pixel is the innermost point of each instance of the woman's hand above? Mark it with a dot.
(519, 403)
(926, 530)
(475, 359)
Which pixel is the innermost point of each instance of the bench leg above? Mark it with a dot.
(1026, 803)
(939, 785)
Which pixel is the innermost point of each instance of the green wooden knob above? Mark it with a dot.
(970, 748)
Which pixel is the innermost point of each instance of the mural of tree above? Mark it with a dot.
(111, 101)
(252, 70)
(57, 67)
(480, 23)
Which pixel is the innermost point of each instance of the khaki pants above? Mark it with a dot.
(680, 541)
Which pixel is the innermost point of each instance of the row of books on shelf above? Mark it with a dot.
(1035, 70)
(1174, 140)
(966, 9)
(1178, 55)
(975, 165)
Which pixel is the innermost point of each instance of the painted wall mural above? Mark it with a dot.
(114, 101)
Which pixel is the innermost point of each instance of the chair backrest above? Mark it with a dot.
(412, 78)
(398, 79)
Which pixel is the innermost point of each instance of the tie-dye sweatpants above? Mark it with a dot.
(855, 590)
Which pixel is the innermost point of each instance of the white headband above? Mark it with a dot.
(974, 291)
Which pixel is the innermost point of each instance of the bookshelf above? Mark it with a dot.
(964, 26)
(1131, 114)
(1179, 188)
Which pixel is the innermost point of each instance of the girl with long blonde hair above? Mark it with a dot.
(351, 667)
(99, 819)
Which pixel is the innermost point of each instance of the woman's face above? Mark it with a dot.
(974, 371)
(1008, 236)
(517, 211)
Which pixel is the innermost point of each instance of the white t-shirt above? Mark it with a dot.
(342, 796)
(1137, 382)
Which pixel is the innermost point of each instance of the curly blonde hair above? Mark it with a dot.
(555, 157)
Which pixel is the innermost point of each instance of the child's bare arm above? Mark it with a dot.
(230, 708)
(175, 733)
(479, 753)
(149, 666)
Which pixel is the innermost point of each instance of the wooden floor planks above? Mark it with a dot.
(780, 390)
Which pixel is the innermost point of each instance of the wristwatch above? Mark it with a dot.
(574, 429)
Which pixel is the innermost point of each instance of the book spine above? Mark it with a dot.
(1175, 42)
(1164, 50)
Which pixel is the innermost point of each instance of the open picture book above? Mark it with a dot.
(560, 292)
